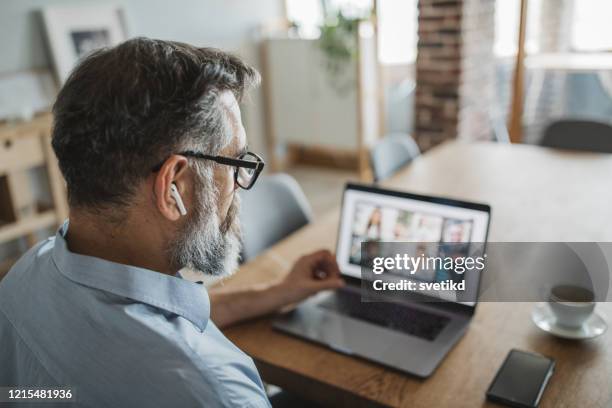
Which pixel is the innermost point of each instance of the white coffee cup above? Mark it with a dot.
(571, 305)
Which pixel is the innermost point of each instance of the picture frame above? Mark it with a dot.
(74, 31)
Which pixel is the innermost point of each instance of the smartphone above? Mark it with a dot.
(521, 380)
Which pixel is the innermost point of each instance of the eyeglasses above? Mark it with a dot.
(247, 166)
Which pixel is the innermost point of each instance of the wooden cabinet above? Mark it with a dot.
(23, 147)
(312, 110)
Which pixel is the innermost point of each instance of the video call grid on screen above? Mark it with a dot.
(432, 217)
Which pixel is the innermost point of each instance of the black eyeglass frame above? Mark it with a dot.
(237, 163)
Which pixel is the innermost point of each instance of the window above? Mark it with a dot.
(507, 18)
(349, 8)
(310, 14)
(592, 29)
(397, 23)
(307, 14)
(588, 25)
(397, 31)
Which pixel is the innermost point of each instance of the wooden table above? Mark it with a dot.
(536, 195)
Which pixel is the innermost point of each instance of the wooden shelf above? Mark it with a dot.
(24, 146)
(26, 225)
(40, 123)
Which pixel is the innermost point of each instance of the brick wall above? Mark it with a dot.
(438, 70)
(454, 70)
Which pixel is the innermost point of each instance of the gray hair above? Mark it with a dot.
(127, 108)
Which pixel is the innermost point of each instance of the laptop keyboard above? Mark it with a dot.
(396, 317)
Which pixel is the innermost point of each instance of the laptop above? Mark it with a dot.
(408, 331)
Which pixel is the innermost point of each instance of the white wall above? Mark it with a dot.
(226, 24)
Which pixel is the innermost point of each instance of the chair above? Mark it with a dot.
(579, 135)
(274, 208)
(498, 126)
(391, 153)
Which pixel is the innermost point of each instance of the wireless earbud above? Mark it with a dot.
(177, 197)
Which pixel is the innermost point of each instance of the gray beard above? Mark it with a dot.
(206, 247)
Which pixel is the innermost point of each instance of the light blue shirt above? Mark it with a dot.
(118, 335)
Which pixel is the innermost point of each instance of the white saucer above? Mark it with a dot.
(544, 318)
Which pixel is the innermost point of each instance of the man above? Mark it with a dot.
(150, 141)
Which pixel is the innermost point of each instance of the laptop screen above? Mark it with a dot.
(372, 214)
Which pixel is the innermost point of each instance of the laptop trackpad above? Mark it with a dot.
(401, 318)
(314, 320)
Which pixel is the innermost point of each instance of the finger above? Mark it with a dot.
(320, 254)
(320, 274)
(313, 259)
(330, 283)
(328, 263)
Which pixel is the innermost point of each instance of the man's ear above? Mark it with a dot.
(173, 171)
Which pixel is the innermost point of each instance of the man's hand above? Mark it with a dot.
(311, 274)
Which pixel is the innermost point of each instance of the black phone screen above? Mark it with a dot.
(521, 379)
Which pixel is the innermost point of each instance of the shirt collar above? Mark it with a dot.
(171, 293)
